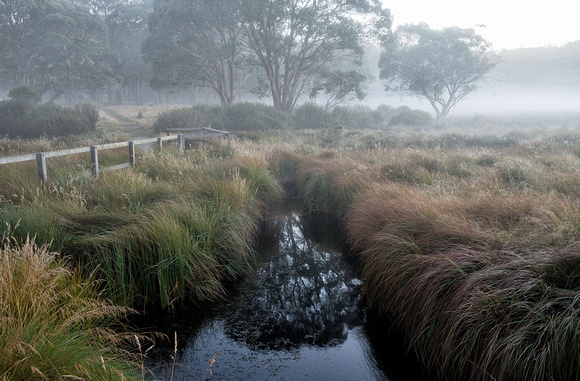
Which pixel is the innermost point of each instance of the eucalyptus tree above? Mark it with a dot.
(443, 66)
(295, 41)
(56, 46)
(196, 42)
(20, 32)
(338, 86)
(127, 26)
(102, 7)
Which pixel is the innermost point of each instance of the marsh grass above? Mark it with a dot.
(176, 228)
(54, 324)
(329, 184)
(471, 308)
(467, 239)
(472, 249)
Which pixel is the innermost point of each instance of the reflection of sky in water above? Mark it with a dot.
(298, 316)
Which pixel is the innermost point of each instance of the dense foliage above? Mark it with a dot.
(408, 117)
(237, 117)
(287, 49)
(56, 46)
(22, 116)
(256, 117)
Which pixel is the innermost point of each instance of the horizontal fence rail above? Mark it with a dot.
(40, 157)
(204, 132)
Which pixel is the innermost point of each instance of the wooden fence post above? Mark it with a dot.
(230, 141)
(41, 165)
(132, 153)
(160, 142)
(181, 141)
(95, 161)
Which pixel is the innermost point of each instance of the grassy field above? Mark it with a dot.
(466, 235)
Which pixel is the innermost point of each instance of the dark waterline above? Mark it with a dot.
(299, 316)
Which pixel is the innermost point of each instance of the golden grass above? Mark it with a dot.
(53, 324)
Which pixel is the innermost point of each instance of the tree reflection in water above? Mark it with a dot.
(299, 316)
(303, 295)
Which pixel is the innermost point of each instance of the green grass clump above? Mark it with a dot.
(176, 251)
(53, 324)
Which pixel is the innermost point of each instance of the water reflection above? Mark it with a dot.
(299, 316)
(303, 295)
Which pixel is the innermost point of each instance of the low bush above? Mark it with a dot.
(408, 117)
(237, 117)
(255, 117)
(186, 117)
(357, 118)
(310, 116)
(21, 120)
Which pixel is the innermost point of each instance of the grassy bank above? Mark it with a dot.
(174, 229)
(471, 249)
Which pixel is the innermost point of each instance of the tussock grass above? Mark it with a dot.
(473, 253)
(470, 310)
(53, 324)
(174, 229)
(467, 239)
(169, 243)
(178, 250)
(328, 185)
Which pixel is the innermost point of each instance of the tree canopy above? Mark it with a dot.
(294, 41)
(443, 66)
(289, 46)
(196, 42)
(55, 46)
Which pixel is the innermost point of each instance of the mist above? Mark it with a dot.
(526, 80)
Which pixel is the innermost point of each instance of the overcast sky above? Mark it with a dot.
(509, 23)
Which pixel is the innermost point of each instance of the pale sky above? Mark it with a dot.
(509, 24)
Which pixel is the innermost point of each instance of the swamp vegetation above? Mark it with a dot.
(467, 238)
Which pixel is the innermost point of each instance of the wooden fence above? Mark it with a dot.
(41, 157)
(202, 133)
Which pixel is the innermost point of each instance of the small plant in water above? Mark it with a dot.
(210, 364)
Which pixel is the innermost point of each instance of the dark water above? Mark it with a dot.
(300, 316)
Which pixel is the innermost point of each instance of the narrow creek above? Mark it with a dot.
(300, 316)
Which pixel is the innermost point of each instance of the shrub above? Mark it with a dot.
(186, 117)
(25, 94)
(408, 117)
(386, 111)
(238, 117)
(12, 118)
(256, 117)
(90, 113)
(357, 117)
(22, 117)
(54, 120)
(310, 116)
